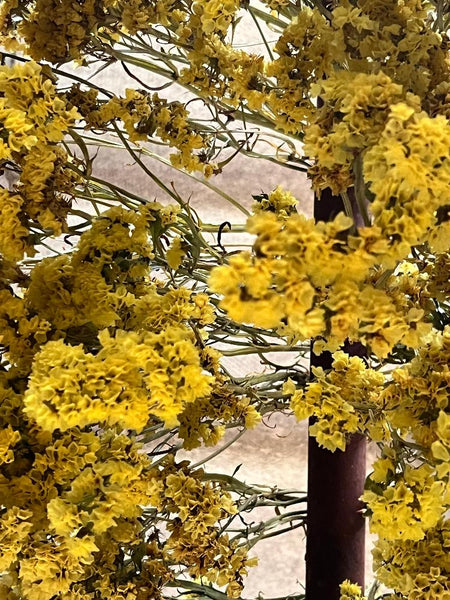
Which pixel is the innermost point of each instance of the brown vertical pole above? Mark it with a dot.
(335, 527)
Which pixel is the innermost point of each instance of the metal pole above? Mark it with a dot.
(335, 527)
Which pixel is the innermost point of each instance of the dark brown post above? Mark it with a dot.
(335, 527)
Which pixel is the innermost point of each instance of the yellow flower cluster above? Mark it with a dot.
(140, 15)
(419, 391)
(214, 16)
(367, 86)
(279, 201)
(155, 311)
(342, 401)
(247, 283)
(408, 493)
(276, 5)
(409, 507)
(21, 331)
(197, 506)
(76, 493)
(14, 235)
(441, 447)
(8, 439)
(436, 280)
(106, 280)
(307, 49)
(417, 569)
(95, 287)
(70, 501)
(408, 172)
(221, 71)
(73, 506)
(202, 421)
(146, 115)
(396, 38)
(336, 418)
(294, 280)
(56, 30)
(33, 119)
(350, 591)
(15, 527)
(408, 503)
(130, 378)
(352, 118)
(214, 66)
(389, 39)
(60, 31)
(72, 296)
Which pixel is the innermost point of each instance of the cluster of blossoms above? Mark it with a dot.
(144, 116)
(350, 591)
(194, 540)
(417, 569)
(98, 353)
(131, 377)
(343, 401)
(61, 31)
(294, 281)
(75, 510)
(408, 493)
(33, 119)
(371, 133)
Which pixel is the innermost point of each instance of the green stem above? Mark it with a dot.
(204, 182)
(258, 26)
(219, 450)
